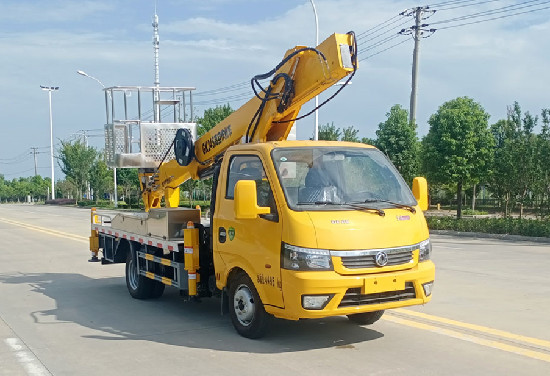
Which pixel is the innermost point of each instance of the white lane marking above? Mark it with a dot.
(26, 358)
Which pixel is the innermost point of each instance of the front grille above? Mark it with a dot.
(353, 297)
(396, 256)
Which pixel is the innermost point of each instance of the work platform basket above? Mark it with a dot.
(142, 123)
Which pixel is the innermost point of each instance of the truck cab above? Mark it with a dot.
(305, 229)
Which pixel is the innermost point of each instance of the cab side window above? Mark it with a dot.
(245, 167)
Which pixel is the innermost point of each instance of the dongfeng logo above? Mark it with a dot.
(381, 258)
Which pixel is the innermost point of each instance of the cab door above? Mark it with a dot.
(251, 244)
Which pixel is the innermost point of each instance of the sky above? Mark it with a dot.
(221, 43)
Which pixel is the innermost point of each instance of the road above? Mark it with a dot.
(61, 315)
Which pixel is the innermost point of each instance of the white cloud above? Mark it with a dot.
(495, 62)
(51, 11)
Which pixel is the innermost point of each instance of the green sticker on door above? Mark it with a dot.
(231, 232)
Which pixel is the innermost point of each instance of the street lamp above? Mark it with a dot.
(49, 89)
(316, 132)
(82, 73)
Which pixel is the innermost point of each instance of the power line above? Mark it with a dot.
(380, 36)
(16, 157)
(447, 3)
(380, 43)
(17, 161)
(25, 171)
(509, 8)
(466, 5)
(363, 35)
(384, 50)
(223, 89)
(372, 29)
(491, 19)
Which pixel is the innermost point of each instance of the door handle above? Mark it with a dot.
(222, 235)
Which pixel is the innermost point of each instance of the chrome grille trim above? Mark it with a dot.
(361, 259)
(353, 297)
(373, 252)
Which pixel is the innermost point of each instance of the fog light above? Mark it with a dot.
(428, 288)
(315, 301)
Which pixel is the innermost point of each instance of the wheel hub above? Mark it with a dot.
(244, 305)
(132, 275)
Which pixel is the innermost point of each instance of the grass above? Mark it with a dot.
(512, 226)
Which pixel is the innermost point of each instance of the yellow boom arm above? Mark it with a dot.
(268, 116)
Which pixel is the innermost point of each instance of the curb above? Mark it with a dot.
(492, 236)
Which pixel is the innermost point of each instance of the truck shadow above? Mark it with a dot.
(105, 306)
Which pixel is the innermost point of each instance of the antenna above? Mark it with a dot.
(156, 42)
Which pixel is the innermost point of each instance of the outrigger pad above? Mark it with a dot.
(184, 149)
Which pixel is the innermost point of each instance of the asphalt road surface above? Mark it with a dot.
(61, 315)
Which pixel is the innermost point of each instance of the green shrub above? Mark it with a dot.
(93, 203)
(473, 212)
(512, 226)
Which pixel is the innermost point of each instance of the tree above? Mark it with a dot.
(128, 180)
(458, 147)
(211, 117)
(65, 188)
(502, 180)
(39, 187)
(524, 152)
(350, 134)
(543, 156)
(329, 132)
(518, 154)
(76, 160)
(398, 140)
(368, 141)
(101, 178)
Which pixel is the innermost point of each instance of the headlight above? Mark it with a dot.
(298, 258)
(425, 250)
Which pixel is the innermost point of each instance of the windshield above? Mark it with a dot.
(332, 178)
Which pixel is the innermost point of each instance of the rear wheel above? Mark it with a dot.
(246, 308)
(366, 318)
(158, 289)
(140, 287)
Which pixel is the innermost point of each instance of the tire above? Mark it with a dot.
(246, 308)
(140, 287)
(158, 289)
(366, 318)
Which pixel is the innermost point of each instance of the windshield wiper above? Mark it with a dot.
(319, 203)
(396, 204)
(380, 212)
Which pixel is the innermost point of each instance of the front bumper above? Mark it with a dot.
(353, 293)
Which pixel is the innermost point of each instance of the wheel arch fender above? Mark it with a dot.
(246, 268)
(123, 247)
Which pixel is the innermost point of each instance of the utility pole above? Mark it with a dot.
(417, 31)
(416, 51)
(34, 152)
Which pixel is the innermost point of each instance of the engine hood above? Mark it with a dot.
(355, 229)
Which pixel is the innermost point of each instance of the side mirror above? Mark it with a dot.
(420, 192)
(246, 200)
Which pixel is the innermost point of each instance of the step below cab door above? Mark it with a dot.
(253, 244)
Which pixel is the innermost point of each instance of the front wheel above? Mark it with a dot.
(246, 308)
(366, 318)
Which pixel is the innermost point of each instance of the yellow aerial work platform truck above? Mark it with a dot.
(296, 229)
